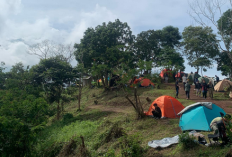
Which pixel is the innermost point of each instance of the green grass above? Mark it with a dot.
(221, 96)
(92, 124)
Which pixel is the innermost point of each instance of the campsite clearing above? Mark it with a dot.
(113, 108)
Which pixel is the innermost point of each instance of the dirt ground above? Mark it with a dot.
(226, 105)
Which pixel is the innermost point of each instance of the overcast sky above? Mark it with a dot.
(26, 22)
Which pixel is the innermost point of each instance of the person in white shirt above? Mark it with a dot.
(184, 80)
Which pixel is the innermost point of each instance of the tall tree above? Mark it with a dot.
(171, 59)
(52, 73)
(200, 46)
(206, 13)
(104, 48)
(224, 64)
(149, 45)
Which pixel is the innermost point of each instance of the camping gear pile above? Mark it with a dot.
(166, 142)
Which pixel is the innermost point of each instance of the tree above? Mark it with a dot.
(224, 64)
(171, 37)
(52, 73)
(206, 12)
(104, 48)
(171, 59)
(2, 76)
(200, 46)
(47, 49)
(149, 44)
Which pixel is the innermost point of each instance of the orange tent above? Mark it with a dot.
(168, 105)
(146, 82)
(179, 74)
(168, 71)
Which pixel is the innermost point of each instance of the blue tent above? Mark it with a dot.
(199, 116)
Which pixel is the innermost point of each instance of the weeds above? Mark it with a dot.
(131, 146)
(187, 141)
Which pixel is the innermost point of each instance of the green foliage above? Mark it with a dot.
(158, 47)
(16, 137)
(187, 141)
(105, 47)
(67, 117)
(110, 153)
(228, 126)
(130, 146)
(224, 27)
(224, 64)
(200, 46)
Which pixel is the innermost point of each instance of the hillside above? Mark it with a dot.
(110, 128)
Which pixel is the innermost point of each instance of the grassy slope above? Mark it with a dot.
(94, 120)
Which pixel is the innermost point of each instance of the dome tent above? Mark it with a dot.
(168, 105)
(146, 82)
(167, 71)
(220, 86)
(198, 116)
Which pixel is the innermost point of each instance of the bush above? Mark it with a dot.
(130, 146)
(67, 117)
(187, 141)
(110, 153)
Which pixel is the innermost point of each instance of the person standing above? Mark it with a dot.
(210, 86)
(198, 89)
(166, 78)
(184, 80)
(204, 89)
(177, 88)
(217, 78)
(187, 90)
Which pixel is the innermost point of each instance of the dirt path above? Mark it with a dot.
(226, 105)
(112, 107)
(125, 109)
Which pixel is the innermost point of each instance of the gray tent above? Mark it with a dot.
(207, 79)
(192, 76)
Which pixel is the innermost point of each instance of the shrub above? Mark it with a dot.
(130, 146)
(187, 141)
(110, 153)
(67, 117)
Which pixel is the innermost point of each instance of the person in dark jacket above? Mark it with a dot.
(198, 89)
(156, 112)
(187, 89)
(210, 86)
(217, 78)
(177, 88)
(204, 89)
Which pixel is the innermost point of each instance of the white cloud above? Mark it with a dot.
(65, 22)
(89, 19)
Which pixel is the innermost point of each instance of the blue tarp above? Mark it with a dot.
(199, 117)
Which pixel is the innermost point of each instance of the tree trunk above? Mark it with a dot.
(58, 111)
(79, 99)
(103, 81)
(106, 80)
